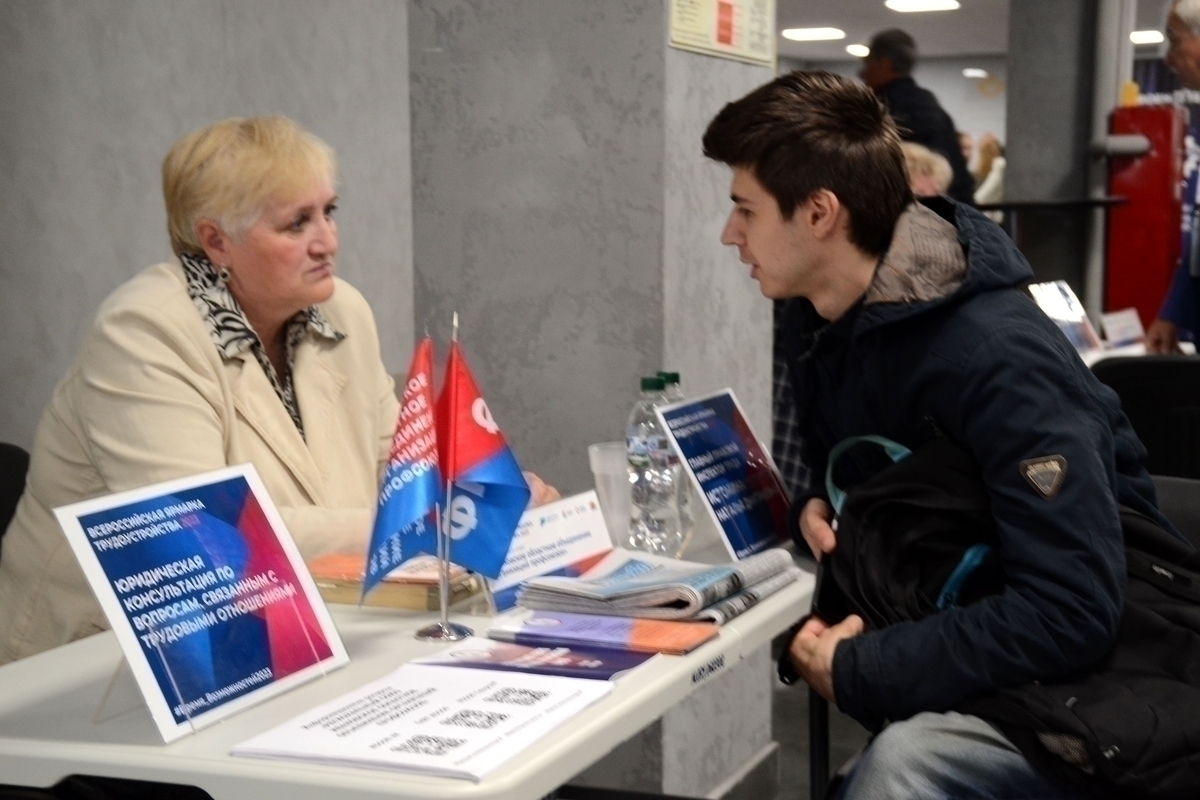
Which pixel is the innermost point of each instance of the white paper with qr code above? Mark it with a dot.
(449, 721)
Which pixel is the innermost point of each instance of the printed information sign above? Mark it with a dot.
(206, 593)
(743, 30)
(739, 483)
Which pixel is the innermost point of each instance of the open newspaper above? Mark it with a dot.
(633, 584)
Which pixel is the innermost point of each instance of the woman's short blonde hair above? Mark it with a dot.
(229, 171)
(922, 162)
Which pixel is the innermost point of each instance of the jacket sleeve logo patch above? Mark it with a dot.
(1045, 474)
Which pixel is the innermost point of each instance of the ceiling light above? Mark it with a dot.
(975, 72)
(813, 34)
(1146, 37)
(858, 50)
(922, 5)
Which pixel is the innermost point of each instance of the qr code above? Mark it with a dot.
(428, 745)
(517, 697)
(468, 718)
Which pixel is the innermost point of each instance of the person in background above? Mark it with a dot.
(929, 174)
(245, 348)
(966, 143)
(907, 320)
(887, 69)
(1180, 310)
(989, 174)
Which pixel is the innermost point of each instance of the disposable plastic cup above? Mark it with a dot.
(610, 469)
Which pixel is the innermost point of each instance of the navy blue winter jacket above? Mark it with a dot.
(945, 343)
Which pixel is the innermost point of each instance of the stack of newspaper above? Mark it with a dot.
(633, 584)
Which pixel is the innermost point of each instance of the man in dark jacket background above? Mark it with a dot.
(887, 69)
(906, 320)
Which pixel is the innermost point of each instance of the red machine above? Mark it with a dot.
(1143, 234)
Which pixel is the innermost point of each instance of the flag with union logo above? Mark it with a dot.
(487, 491)
(406, 514)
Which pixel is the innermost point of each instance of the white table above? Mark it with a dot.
(47, 704)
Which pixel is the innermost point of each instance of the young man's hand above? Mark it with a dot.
(814, 527)
(812, 651)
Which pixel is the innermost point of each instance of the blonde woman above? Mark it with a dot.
(246, 347)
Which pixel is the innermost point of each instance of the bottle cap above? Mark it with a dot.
(669, 377)
(653, 384)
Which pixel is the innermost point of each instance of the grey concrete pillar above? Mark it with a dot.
(562, 206)
(1050, 68)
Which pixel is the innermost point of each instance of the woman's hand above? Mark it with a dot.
(815, 528)
(542, 492)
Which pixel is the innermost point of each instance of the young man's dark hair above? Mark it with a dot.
(814, 130)
(897, 47)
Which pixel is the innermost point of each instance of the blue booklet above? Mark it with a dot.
(567, 662)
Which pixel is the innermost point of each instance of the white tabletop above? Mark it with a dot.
(48, 702)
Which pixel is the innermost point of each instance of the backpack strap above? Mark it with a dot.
(894, 450)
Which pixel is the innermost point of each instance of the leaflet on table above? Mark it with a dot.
(1060, 303)
(458, 723)
(551, 628)
(576, 661)
(206, 593)
(738, 482)
(635, 584)
(566, 537)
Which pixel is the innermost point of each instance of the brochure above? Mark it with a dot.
(206, 593)
(738, 482)
(1060, 303)
(571, 662)
(551, 628)
(458, 723)
(635, 584)
(566, 537)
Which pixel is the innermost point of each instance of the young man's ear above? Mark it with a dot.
(822, 212)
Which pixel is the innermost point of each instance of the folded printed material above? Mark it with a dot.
(634, 584)
(413, 584)
(554, 628)
(457, 723)
(576, 661)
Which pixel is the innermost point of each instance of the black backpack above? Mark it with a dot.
(917, 538)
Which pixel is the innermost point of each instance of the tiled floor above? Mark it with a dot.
(790, 715)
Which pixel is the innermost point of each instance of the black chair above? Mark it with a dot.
(1179, 499)
(14, 464)
(1161, 397)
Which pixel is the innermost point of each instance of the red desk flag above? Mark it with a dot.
(488, 493)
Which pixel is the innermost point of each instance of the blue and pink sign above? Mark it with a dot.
(738, 481)
(206, 593)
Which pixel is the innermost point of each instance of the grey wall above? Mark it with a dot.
(717, 323)
(562, 206)
(95, 93)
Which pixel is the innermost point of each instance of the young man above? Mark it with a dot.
(905, 320)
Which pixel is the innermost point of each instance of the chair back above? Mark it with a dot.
(1161, 397)
(14, 464)
(1179, 500)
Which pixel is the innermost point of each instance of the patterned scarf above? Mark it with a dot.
(232, 334)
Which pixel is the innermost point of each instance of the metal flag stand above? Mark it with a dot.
(444, 630)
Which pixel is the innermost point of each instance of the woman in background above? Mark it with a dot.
(246, 348)
(929, 173)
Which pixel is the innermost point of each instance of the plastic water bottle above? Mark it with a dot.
(653, 480)
(685, 500)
